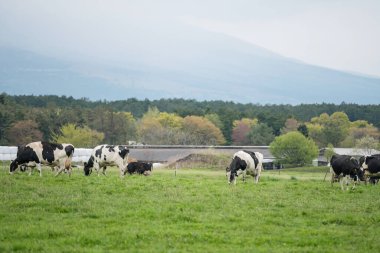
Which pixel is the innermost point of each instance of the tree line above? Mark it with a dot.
(179, 121)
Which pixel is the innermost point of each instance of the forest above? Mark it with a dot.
(26, 118)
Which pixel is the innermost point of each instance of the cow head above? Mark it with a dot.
(358, 172)
(87, 169)
(232, 170)
(367, 160)
(13, 166)
(148, 169)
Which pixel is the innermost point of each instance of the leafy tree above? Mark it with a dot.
(241, 129)
(359, 129)
(291, 124)
(83, 137)
(149, 128)
(157, 127)
(170, 120)
(367, 143)
(215, 119)
(261, 135)
(329, 129)
(201, 131)
(294, 148)
(315, 132)
(336, 128)
(23, 132)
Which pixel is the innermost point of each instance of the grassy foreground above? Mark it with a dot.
(194, 211)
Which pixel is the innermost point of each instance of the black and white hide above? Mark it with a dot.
(371, 167)
(107, 155)
(245, 162)
(34, 154)
(140, 168)
(345, 169)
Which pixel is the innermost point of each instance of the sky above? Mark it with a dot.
(338, 34)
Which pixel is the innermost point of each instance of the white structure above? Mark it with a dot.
(82, 155)
(8, 153)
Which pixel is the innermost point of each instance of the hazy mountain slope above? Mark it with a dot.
(212, 67)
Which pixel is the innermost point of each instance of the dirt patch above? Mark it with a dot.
(209, 161)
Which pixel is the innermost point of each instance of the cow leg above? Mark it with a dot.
(345, 180)
(59, 171)
(244, 174)
(104, 170)
(354, 185)
(122, 174)
(40, 169)
(97, 168)
(341, 181)
(257, 177)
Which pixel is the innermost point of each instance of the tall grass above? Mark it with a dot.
(194, 211)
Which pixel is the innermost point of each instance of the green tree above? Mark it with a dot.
(82, 137)
(294, 148)
(336, 128)
(329, 129)
(261, 135)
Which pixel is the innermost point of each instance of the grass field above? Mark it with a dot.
(194, 211)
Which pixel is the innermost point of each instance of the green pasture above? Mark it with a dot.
(293, 210)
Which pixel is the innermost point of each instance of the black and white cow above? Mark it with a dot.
(107, 155)
(371, 167)
(245, 162)
(139, 168)
(36, 153)
(345, 168)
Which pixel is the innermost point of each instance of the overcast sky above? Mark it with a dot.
(339, 34)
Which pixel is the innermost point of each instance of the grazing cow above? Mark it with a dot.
(371, 167)
(139, 168)
(36, 153)
(345, 168)
(107, 155)
(245, 162)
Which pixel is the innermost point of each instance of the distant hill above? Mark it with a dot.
(215, 67)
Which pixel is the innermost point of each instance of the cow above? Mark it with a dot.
(139, 168)
(107, 155)
(345, 168)
(371, 166)
(36, 153)
(245, 162)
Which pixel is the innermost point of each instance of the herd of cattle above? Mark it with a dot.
(343, 168)
(59, 158)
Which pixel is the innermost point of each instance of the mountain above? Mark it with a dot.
(208, 66)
